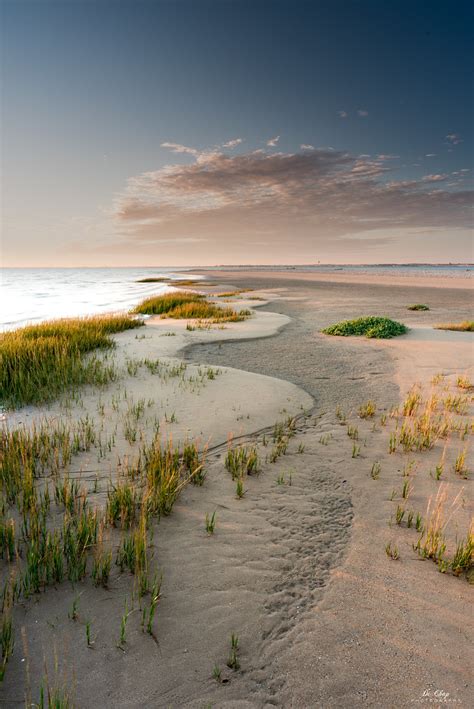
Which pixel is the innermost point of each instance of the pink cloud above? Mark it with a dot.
(178, 148)
(318, 194)
(273, 141)
(434, 178)
(232, 143)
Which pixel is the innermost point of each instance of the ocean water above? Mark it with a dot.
(30, 295)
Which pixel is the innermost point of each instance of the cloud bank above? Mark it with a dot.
(300, 201)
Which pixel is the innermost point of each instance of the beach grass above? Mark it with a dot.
(233, 661)
(242, 460)
(372, 327)
(163, 304)
(375, 470)
(207, 311)
(417, 306)
(39, 362)
(465, 326)
(367, 410)
(183, 305)
(210, 522)
(392, 551)
(51, 531)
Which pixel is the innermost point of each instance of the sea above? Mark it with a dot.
(31, 295)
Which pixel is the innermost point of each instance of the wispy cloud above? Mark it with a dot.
(342, 114)
(306, 146)
(312, 196)
(273, 141)
(232, 143)
(178, 148)
(434, 178)
(362, 113)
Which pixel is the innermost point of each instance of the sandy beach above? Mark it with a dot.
(297, 566)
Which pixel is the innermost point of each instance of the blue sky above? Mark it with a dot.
(379, 93)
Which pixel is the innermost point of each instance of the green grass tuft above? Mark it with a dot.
(189, 306)
(162, 304)
(373, 327)
(203, 310)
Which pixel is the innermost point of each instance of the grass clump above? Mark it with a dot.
(53, 697)
(372, 327)
(233, 661)
(463, 560)
(464, 383)
(242, 460)
(417, 306)
(39, 362)
(207, 311)
(460, 464)
(7, 639)
(367, 410)
(162, 304)
(375, 470)
(210, 522)
(392, 551)
(184, 305)
(465, 326)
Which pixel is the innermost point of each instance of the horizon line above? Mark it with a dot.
(261, 265)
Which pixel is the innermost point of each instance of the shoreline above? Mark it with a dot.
(417, 281)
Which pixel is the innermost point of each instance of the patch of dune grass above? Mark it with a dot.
(417, 306)
(48, 538)
(373, 327)
(202, 310)
(161, 304)
(39, 362)
(184, 305)
(465, 326)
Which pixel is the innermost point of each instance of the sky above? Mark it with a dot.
(206, 132)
